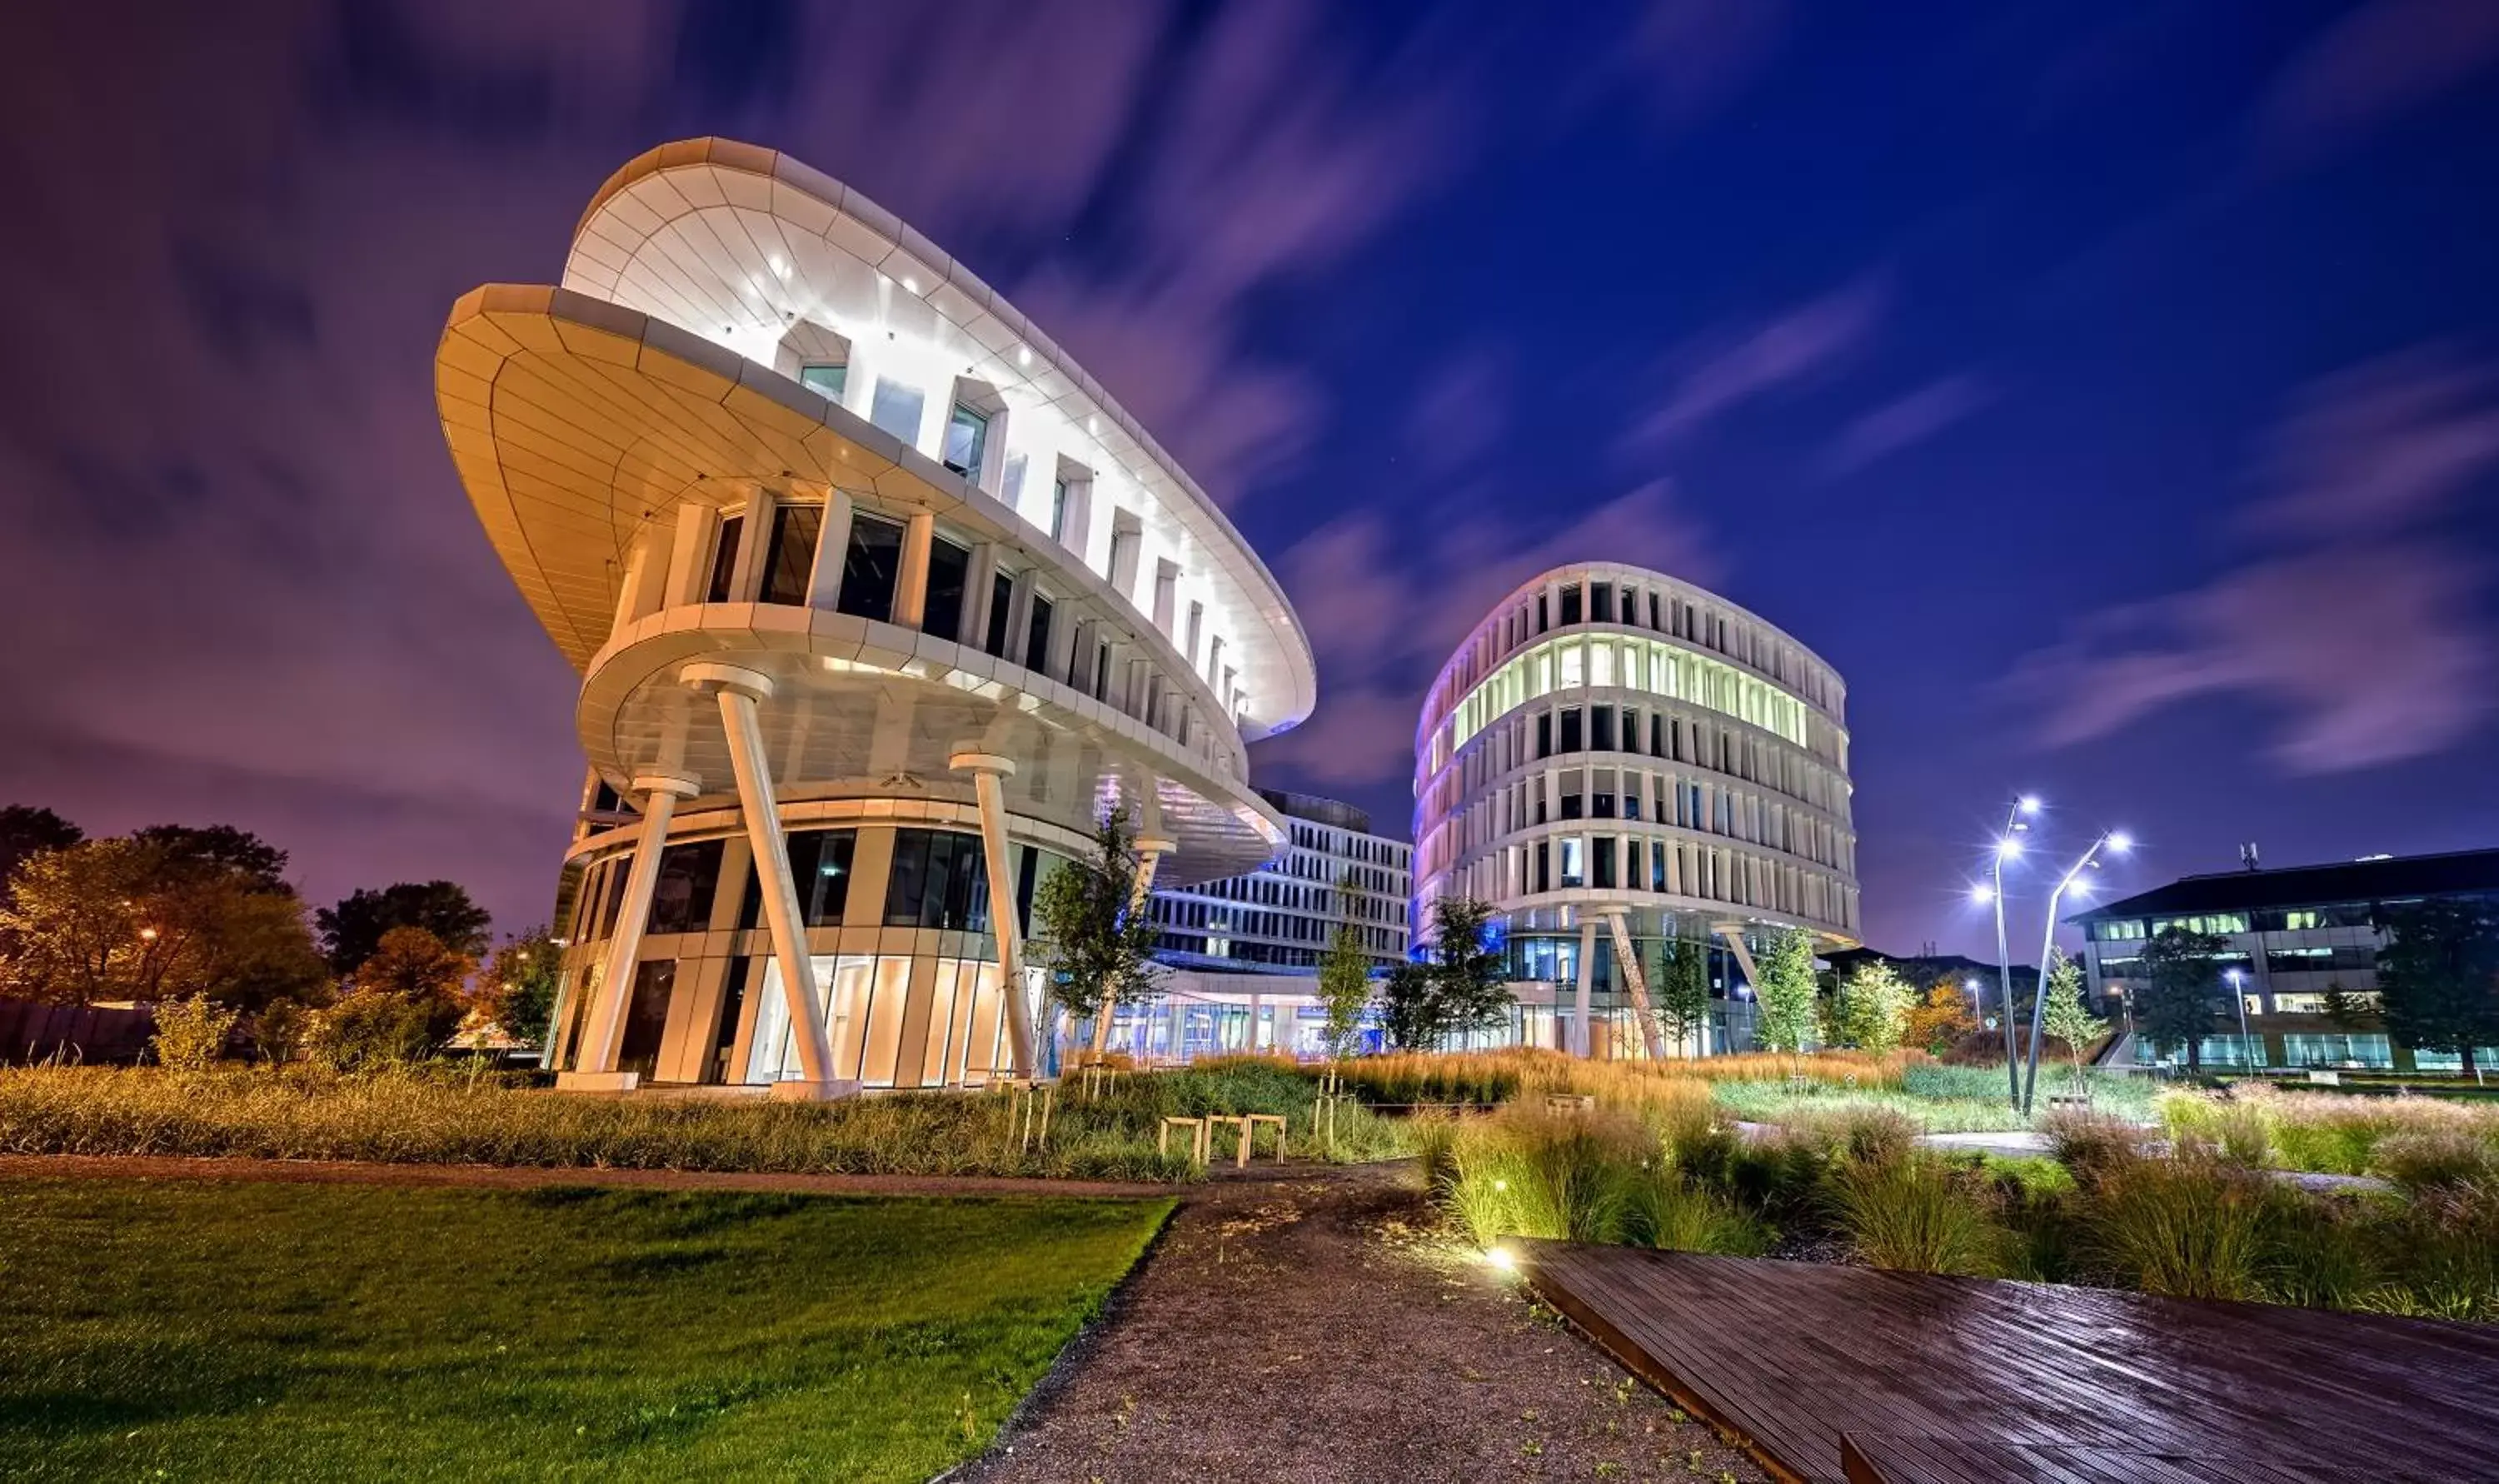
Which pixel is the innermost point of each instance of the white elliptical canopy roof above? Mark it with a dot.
(736, 244)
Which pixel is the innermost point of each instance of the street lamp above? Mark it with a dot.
(2238, 997)
(2117, 843)
(2008, 846)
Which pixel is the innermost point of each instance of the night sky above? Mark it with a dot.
(2110, 391)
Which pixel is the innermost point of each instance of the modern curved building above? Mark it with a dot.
(878, 601)
(1619, 760)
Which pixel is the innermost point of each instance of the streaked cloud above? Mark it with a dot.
(1715, 376)
(1905, 422)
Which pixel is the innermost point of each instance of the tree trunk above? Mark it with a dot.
(1102, 1027)
(2467, 1054)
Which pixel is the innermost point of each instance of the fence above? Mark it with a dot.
(31, 1033)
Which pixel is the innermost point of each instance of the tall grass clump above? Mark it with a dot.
(1672, 1212)
(2436, 1160)
(2448, 1268)
(1918, 1213)
(2093, 1146)
(2188, 1228)
(2236, 1130)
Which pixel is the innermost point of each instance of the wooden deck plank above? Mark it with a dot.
(2082, 1385)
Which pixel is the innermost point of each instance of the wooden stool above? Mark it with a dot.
(1200, 1137)
(1249, 1124)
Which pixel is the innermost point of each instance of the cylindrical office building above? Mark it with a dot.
(1619, 760)
(878, 601)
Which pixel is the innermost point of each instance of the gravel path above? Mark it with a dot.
(1312, 1329)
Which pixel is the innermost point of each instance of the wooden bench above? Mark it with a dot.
(1570, 1104)
(1201, 1134)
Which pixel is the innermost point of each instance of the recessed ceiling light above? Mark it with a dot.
(1024, 355)
(911, 285)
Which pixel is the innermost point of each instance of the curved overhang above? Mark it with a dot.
(736, 244)
(861, 709)
(576, 423)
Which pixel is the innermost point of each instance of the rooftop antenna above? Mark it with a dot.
(2248, 858)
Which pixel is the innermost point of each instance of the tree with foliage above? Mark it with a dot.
(416, 968)
(2174, 1008)
(1942, 1019)
(1343, 980)
(2438, 976)
(1679, 990)
(1409, 1008)
(190, 1033)
(1787, 992)
(26, 831)
(1872, 1007)
(518, 989)
(2067, 1018)
(1468, 974)
(139, 919)
(1091, 931)
(220, 851)
(353, 930)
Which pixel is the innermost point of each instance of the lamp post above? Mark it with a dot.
(2110, 840)
(2239, 997)
(2006, 848)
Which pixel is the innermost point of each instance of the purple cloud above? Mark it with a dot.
(1718, 374)
(1908, 421)
(2365, 635)
(2379, 60)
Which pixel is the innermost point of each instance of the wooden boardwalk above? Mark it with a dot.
(1883, 1377)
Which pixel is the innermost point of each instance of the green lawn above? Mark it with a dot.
(217, 1331)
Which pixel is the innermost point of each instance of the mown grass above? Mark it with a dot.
(415, 1116)
(282, 1332)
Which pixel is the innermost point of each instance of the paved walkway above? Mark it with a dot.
(1307, 1330)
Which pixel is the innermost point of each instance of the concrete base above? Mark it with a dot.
(813, 1093)
(598, 1082)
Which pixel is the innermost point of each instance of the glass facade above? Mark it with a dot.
(870, 567)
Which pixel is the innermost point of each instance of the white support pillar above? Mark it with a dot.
(988, 771)
(738, 691)
(910, 574)
(1151, 850)
(1581, 1030)
(595, 1070)
(1627, 959)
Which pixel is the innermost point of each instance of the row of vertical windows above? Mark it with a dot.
(1654, 864)
(1627, 663)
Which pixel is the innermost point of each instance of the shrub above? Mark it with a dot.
(1858, 1133)
(190, 1033)
(2429, 1161)
(1916, 1213)
(1666, 1210)
(2188, 1228)
(368, 1030)
(2092, 1146)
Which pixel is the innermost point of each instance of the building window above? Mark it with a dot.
(820, 869)
(724, 560)
(1601, 599)
(1574, 862)
(1569, 605)
(1058, 510)
(936, 882)
(790, 557)
(1036, 638)
(1602, 858)
(1544, 734)
(1001, 600)
(1571, 738)
(868, 567)
(968, 438)
(895, 409)
(1543, 610)
(689, 875)
(826, 382)
(1600, 719)
(950, 568)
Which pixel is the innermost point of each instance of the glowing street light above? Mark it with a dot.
(2006, 848)
(2239, 995)
(2114, 841)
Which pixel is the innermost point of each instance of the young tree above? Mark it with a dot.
(2345, 1011)
(1681, 990)
(518, 989)
(1468, 977)
(1409, 1008)
(1873, 1008)
(121, 919)
(2068, 1018)
(1344, 980)
(1092, 933)
(219, 850)
(353, 930)
(417, 969)
(1787, 991)
(2438, 976)
(1939, 1022)
(2174, 1008)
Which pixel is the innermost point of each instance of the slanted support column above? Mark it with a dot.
(596, 1070)
(1580, 1005)
(988, 773)
(1151, 850)
(738, 691)
(1627, 959)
